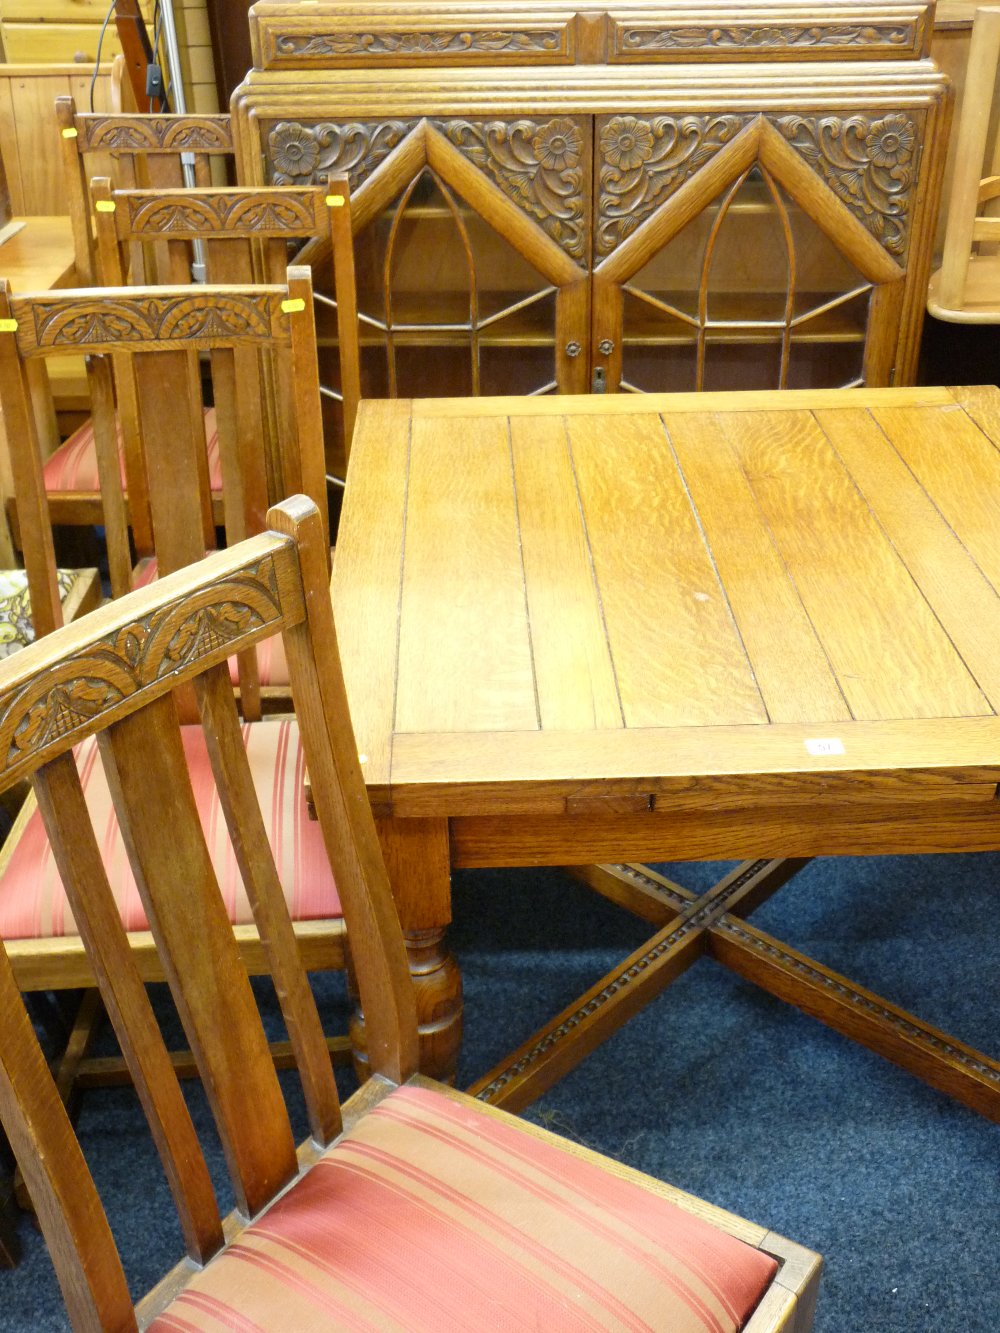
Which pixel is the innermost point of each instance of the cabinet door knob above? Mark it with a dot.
(606, 346)
(573, 349)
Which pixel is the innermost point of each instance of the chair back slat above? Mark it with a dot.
(62, 1190)
(81, 868)
(102, 411)
(260, 879)
(158, 817)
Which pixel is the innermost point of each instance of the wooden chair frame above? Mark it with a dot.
(159, 329)
(271, 583)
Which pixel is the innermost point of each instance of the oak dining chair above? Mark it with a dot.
(412, 1205)
(158, 329)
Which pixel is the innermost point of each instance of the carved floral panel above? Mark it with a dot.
(643, 160)
(298, 152)
(638, 41)
(869, 160)
(539, 164)
(403, 42)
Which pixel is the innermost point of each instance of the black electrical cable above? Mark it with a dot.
(100, 43)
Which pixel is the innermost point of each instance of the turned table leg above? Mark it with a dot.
(417, 858)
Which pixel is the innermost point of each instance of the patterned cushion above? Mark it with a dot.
(32, 899)
(73, 466)
(16, 626)
(272, 663)
(432, 1216)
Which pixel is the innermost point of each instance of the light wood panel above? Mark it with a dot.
(891, 657)
(474, 670)
(654, 569)
(574, 675)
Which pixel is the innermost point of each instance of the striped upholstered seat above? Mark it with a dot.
(432, 1215)
(32, 900)
(73, 466)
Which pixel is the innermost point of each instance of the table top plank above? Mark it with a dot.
(791, 668)
(573, 671)
(891, 656)
(957, 591)
(657, 580)
(956, 463)
(367, 566)
(464, 643)
(982, 403)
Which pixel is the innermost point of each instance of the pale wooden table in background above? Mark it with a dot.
(653, 628)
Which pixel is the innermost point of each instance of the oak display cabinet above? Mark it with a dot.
(650, 199)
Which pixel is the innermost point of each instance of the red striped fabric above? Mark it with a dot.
(431, 1215)
(32, 899)
(73, 466)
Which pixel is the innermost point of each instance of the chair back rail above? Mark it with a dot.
(244, 235)
(112, 676)
(141, 150)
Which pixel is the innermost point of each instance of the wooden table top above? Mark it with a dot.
(544, 602)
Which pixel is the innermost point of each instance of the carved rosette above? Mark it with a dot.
(642, 161)
(54, 704)
(165, 134)
(536, 163)
(300, 45)
(868, 160)
(219, 212)
(300, 153)
(101, 324)
(774, 37)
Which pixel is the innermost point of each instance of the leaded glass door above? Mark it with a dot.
(751, 275)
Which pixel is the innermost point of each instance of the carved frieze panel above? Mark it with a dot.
(539, 164)
(292, 211)
(40, 712)
(150, 134)
(638, 41)
(100, 324)
(868, 160)
(643, 160)
(306, 152)
(286, 44)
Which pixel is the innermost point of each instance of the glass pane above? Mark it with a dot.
(657, 348)
(437, 287)
(751, 267)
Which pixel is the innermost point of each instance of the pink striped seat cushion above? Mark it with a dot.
(272, 664)
(431, 1215)
(73, 466)
(32, 899)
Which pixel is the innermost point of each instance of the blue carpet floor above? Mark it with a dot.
(715, 1087)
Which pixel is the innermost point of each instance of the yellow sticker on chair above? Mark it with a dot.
(335, 201)
(105, 205)
(8, 325)
(70, 133)
(293, 305)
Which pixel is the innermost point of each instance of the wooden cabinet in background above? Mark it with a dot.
(528, 221)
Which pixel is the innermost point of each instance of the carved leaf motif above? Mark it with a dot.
(642, 162)
(775, 37)
(85, 323)
(38, 713)
(412, 43)
(194, 134)
(217, 213)
(306, 153)
(538, 164)
(868, 162)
